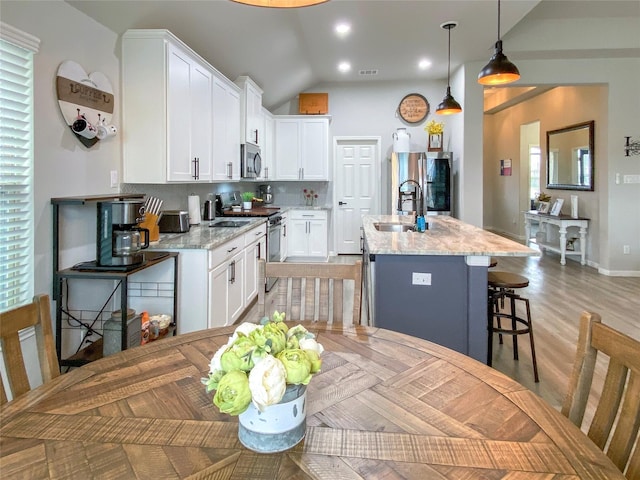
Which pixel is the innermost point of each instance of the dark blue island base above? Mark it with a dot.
(451, 311)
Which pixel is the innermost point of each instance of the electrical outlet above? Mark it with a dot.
(114, 179)
(421, 278)
(626, 250)
(631, 178)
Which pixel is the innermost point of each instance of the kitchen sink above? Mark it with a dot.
(229, 223)
(394, 227)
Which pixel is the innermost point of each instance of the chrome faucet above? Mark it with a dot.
(419, 212)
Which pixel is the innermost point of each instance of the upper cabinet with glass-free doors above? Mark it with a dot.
(570, 157)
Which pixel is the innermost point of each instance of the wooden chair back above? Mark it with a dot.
(614, 428)
(312, 291)
(36, 314)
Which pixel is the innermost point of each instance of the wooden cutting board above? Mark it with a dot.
(254, 212)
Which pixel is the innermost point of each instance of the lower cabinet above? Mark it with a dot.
(226, 291)
(284, 238)
(256, 248)
(216, 286)
(308, 231)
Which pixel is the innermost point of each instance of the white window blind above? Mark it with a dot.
(16, 167)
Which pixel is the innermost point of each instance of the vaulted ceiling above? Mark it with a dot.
(289, 51)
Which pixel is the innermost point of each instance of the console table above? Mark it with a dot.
(563, 222)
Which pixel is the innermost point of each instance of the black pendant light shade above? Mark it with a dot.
(499, 70)
(448, 106)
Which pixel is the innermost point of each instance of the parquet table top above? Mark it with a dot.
(385, 405)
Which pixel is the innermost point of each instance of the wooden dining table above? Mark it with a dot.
(384, 406)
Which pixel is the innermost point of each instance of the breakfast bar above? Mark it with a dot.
(432, 285)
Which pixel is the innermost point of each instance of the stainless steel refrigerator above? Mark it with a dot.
(431, 171)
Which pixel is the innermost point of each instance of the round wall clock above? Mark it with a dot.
(413, 108)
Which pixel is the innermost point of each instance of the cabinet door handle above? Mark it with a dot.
(229, 170)
(266, 172)
(195, 168)
(232, 267)
(258, 256)
(256, 136)
(284, 230)
(342, 203)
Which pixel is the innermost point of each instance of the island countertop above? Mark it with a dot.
(446, 236)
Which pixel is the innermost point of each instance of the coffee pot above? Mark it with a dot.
(118, 241)
(266, 194)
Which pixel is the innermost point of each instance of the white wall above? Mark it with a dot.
(371, 110)
(556, 108)
(63, 166)
(618, 205)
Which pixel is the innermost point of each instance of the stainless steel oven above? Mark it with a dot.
(274, 229)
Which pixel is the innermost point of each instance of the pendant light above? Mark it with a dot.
(280, 3)
(499, 70)
(448, 106)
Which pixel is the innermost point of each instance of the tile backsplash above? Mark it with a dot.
(285, 194)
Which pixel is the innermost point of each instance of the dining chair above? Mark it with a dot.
(614, 428)
(36, 314)
(312, 291)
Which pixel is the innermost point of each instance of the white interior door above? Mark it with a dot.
(357, 189)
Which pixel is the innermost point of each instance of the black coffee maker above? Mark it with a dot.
(118, 235)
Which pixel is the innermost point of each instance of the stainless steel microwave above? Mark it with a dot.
(250, 161)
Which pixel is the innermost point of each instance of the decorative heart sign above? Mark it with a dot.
(86, 102)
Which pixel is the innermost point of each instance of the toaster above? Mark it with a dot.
(174, 221)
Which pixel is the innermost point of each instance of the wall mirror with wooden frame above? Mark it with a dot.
(570, 157)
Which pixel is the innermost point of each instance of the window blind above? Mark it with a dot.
(16, 173)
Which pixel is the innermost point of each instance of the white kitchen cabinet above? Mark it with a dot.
(256, 243)
(251, 111)
(284, 238)
(226, 129)
(308, 234)
(268, 147)
(167, 118)
(226, 291)
(226, 283)
(217, 285)
(301, 147)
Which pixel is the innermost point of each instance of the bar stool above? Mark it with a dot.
(502, 287)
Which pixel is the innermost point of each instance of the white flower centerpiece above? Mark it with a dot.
(261, 375)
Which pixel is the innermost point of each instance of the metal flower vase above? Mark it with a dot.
(279, 427)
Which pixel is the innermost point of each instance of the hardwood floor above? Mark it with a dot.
(558, 294)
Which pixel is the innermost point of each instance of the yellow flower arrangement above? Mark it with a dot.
(434, 128)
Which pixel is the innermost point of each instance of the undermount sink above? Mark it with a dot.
(394, 227)
(229, 223)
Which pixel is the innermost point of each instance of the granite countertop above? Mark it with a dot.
(203, 236)
(446, 236)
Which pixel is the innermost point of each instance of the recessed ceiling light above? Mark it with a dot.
(424, 63)
(344, 67)
(342, 29)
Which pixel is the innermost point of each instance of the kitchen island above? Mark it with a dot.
(432, 285)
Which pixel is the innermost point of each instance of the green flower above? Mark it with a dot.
(314, 360)
(297, 365)
(239, 356)
(214, 379)
(233, 395)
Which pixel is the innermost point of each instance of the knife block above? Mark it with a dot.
(150, 222)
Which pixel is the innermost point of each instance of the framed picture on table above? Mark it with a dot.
(557, 207)
(543, 207)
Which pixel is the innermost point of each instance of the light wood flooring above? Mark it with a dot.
(558, 294)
